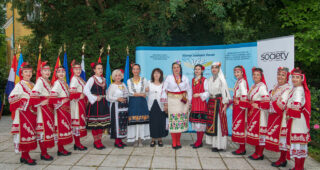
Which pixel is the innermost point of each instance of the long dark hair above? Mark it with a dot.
(94, 67)
(159, 71)
(180, 69)
(198, 65)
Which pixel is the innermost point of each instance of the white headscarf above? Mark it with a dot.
(224, 87)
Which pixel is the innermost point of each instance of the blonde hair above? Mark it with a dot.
(116, 72)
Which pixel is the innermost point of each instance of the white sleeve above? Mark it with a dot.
(205, 94)
(189, 90)
(131, 93)
(224, 93)
(110, 93)
(87, 91)
(56, 87)
(126, 92)
(243, 88)
(38, 86)
(164, 97)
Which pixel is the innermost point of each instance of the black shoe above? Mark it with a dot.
(98, 148)
(152, 144)
(195, 147)
(46, 159)
(118, 146)
(214, 149)
(174, 147)
(160, 144)
(192, 144)
(25, 161)
(75, 147)
(255, 159)
(123, 144)
(178, 147)
(242, 153)
(63, 154)
(282, 164)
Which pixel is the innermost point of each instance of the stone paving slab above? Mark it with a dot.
(134, 157)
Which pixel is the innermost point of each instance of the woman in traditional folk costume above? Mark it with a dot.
(117, 95)
(239, 112)
(59, 98)
(258, 114)
(78, 106)
(277, 127)
(98, 114)
(25, 116)
(177, 96)
(157, 115)
(45, 113)
(138, 128)
(199, 109)
(217, 126)
(298, 110)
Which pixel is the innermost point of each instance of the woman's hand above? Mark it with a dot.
(224, 108)
(236, 102)
(165, 108)
(196, 95)
(147, 89)
(255, 105)
(65, 100)
(82, 96)
(122, 100)
(45, 102)
(99, 98)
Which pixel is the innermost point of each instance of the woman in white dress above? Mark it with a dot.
(177, 96)
(78, 103)
(157, 114)
(298, 110)
(217, 127)
(138, 128)
(117, 95)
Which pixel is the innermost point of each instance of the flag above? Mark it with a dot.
(65, 65)
(17, 79)
(126, 71)
(39, 66)
(11, 77)
(54, 71)
(99, 60)
(108, 73)
(83, 71)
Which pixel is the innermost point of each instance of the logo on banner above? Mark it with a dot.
(274, 56)
(192, 60)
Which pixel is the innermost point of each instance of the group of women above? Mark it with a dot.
(138, 110)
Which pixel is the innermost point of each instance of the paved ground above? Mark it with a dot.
(137, 157)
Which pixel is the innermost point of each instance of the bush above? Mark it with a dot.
(315, 117)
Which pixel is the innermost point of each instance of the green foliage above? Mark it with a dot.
(303, 18)
(315, 116)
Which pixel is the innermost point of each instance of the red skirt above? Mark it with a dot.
(238, 124)
(64, 128)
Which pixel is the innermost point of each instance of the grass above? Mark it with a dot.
(314, 152)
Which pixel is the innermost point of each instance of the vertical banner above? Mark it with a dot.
(273, 53)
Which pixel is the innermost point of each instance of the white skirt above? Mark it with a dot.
(218, 141)
(137, 131)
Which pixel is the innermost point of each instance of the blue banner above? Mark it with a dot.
(229, 55)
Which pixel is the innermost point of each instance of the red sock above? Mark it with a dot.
(296, 163)
(283, 155)
(60, 148)
(178, 139)
(174, 140)
(25, 155)
(43, 149)
(95, 137)
(199, 138)
(256, 152)
(302, 163)
(261, 148)
(77, 141)
(242, 148)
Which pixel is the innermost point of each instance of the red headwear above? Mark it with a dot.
(92, 65)
(244, 75)
(43, 67)
(121, 71)
(284, 69)
(22, 68)
(263, 80)
(307, 105)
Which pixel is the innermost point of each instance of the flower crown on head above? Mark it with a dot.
(178, 62)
